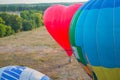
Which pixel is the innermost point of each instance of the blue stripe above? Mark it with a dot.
(87, 5)
(89, 37)
(8, 77)
(12, 71)
(12, 74)
(105, 38)
(105, 4)
(18, 69)
(117, 35)
(2, 79)
(96, 5)
(117, 3)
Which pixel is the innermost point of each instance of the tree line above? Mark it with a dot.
(22, 7)
(27, 20)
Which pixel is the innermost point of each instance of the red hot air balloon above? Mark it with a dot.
(57, 20)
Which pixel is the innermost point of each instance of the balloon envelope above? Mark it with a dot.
(57, 20)
(77, 50)
(21, 73)
(98, 33)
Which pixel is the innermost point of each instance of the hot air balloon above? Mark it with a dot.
(57, 20)
(78, 50)
(98, 34)
(21, 73)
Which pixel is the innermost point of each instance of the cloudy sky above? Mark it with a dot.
(37, 1)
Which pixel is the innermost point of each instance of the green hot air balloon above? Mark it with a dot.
(77, 50)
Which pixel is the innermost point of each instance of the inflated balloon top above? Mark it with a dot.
(98, 34)
(57, 20)
(21, 73)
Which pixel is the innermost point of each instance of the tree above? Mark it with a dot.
(5, 17)
(2, 30)
(28, 25)
(12, 20)
(25, 15)
(38, 17)
(1, 21)
(15, 22)
(5, 30)
(9, 31)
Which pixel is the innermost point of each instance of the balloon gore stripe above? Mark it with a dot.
(105, 4)
(12, 73)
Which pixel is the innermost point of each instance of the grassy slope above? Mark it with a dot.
(36, 49)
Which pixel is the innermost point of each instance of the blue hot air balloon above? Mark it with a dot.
(98, 34)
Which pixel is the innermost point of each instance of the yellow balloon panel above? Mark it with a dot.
(107, 73)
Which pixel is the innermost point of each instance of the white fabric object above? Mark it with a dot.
(75, 52)
(31, 74)
(21, 73)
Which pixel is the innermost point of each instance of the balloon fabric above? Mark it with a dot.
(57, 20)
(97, 32)
(21, 73)
(76, 49)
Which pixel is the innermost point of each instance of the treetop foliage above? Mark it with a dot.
(22, 7)
(27, 20)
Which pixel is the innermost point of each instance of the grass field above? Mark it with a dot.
(36, 49)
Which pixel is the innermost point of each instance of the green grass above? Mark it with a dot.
(38, 50)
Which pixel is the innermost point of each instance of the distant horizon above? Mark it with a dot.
(38, 1)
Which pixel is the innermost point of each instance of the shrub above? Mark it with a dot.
(1, 21)
(35, 16)
(5, 30)
(38, 17)
(9, 31)
(2, 30)
(15, 21)
(27, 25)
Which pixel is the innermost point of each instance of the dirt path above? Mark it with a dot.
(36, 49)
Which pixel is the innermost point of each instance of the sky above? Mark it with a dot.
(37, 1)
